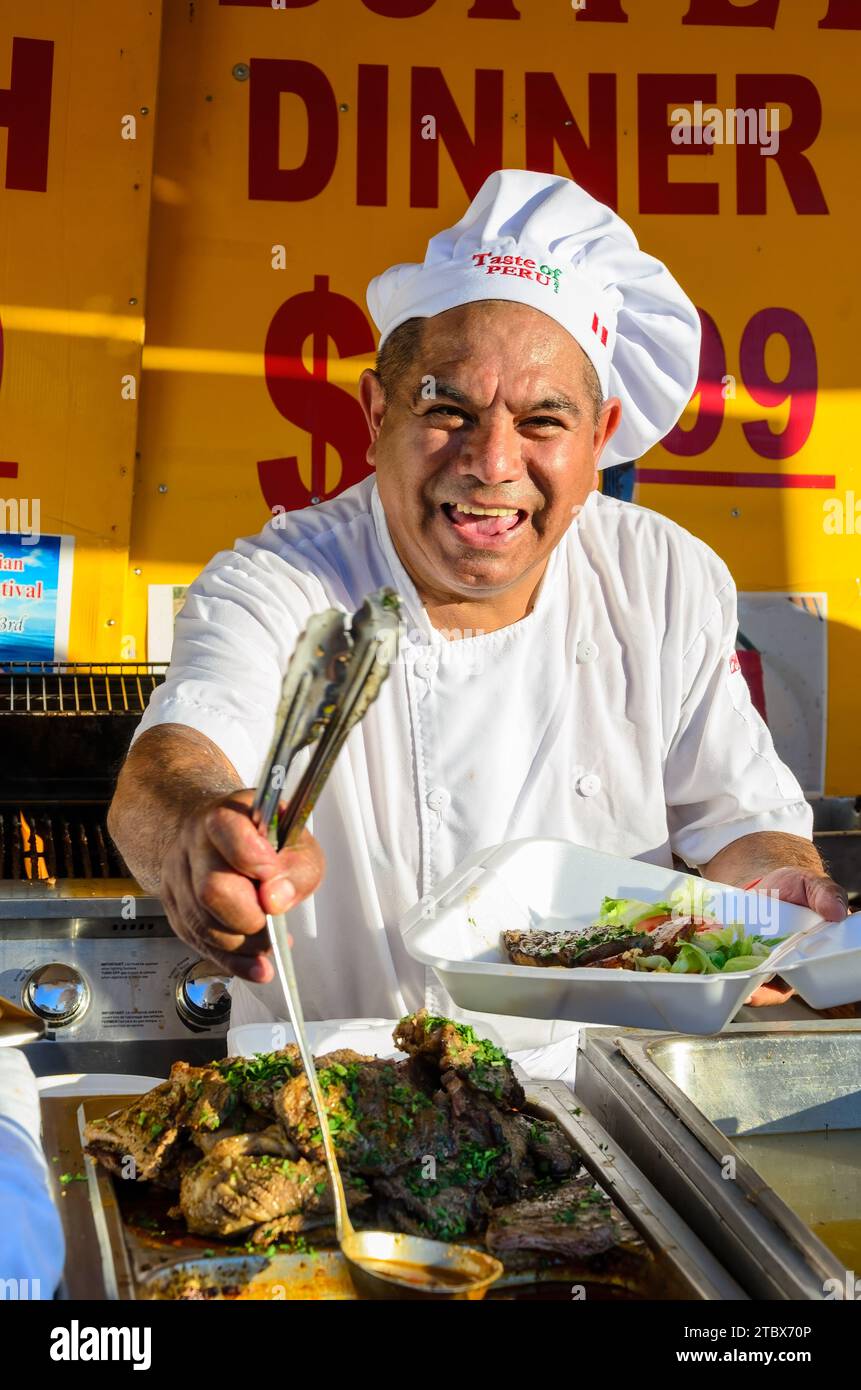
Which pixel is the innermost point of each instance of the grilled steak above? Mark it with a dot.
(139, 1141)
(625, 961)
(136, 1142)
(236, 1187)
(574, 1222)
(586, 946)
(444, 1201)
(435, 1144)
(455, 1049)
(257, 1080)
(549, 1150)
(379, 1119)
(666, 939)
(272, 1140)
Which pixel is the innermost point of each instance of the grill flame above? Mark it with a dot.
(33, 851)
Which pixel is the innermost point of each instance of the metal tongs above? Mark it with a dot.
(335, 674)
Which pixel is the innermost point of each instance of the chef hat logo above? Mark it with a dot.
(623, 307)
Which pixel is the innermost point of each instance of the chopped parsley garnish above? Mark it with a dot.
(475, 1162)
(261, 1068)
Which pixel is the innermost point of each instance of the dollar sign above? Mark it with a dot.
(308, 399)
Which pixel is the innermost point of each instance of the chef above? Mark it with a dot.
(569, 665)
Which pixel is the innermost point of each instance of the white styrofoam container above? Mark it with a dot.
(555, 885)
(370, 1036)
(826, 970)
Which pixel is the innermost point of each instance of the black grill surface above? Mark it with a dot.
(64, 732)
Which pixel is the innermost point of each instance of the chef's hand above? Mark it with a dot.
(807, 889)
(221, 876)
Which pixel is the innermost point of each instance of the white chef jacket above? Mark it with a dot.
(612, 715)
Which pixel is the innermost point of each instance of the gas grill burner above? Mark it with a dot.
(80, 945)
(42, 844)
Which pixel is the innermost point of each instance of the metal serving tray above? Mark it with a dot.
(790, 1092)
(108, 1260)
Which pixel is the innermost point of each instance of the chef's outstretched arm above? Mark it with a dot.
(181, 820)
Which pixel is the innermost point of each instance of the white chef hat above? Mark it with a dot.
(542, 240)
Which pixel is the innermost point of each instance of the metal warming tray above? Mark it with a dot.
(754, 1137)
(106, 1259)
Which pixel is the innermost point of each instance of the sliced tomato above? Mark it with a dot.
(650, 923)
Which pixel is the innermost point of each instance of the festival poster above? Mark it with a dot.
(35, 597)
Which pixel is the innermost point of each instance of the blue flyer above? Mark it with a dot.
(35, 594)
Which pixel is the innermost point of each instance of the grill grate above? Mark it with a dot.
(43, 843)
(69, 688)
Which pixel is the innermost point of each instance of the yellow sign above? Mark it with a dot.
(77, 88)
(302, 147)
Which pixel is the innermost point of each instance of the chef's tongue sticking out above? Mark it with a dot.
(475, 524)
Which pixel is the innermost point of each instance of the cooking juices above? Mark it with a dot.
(818, 1174)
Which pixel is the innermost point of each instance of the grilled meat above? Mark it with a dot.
(625, 961)
(666, 939)
(272, 1140)
(457, 1052)
(606, 948)
(443, 1208)
(257, 1080)
(575, 1221)
(379, 1119)
(500, 1155)
(136, 1142)
(285, 1230)
(434, 1144)
(205, 1099)
(236, 1188)
(585, 946)
(549, 1150)
(139, 1141)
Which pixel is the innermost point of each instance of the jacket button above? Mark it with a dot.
(438, 798)
(425, 668)
(589, 785)
(587, 650)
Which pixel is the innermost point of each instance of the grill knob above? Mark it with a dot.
(57, 993)
(203, 996)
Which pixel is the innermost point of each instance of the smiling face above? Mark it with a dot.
(485, 448)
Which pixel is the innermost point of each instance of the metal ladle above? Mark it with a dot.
(381, 1264)
(334, 676)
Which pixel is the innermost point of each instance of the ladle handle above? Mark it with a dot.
(283, 957)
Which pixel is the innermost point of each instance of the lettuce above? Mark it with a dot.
(691, 960)
(627, 912)
(653, 963)
(742, 963)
